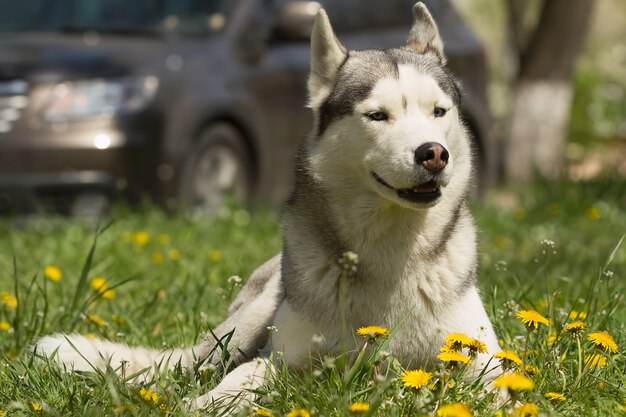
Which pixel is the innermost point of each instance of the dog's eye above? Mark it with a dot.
(439, 112)
(378, 116)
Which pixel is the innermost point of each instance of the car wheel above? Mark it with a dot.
(218, 167)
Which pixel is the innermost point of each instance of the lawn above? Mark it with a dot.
(158, 280)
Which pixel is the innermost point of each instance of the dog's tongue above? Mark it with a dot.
(427, 187)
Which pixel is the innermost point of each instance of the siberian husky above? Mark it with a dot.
(385, 173)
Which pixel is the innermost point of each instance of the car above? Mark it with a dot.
(181, 102)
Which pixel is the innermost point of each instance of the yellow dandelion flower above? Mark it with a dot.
(164, 239)
(477, 346)
(97, 320)
(5, 326)
(124, 409)
(555, 396)
(593, 213)
(215, 255)
(416, 378)
(99, 286)
(603, 340)
(140, 238)
(359, 408)
(119, 320)
(299, 412)
(508, 358)
(454, 410)
(36, 407)
(263, 412)
(446, 348)
(453, 358)
(149, 396)
(551, 339)
(372, 332)
(526, 410)
(514, 382)
(595, 361)
(574, 328)
(577, 315)
(157, 258)
(532, 319)
(457, 341)
(53, 273)
(8, 300)
(174, 255)
(532, 370)
(1, 412)
(554, 208)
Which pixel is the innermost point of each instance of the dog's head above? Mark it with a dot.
(387, 121)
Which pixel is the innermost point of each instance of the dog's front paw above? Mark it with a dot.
(198, 403)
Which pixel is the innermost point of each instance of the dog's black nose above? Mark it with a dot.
(433, 156)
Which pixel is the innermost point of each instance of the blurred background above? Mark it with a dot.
(189, 102)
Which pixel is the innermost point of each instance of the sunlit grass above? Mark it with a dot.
(151, 279)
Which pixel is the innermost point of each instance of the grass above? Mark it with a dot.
(553, 248)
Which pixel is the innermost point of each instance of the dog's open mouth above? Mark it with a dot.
(426, 192)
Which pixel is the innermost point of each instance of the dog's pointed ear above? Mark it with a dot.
(327, 56)
(424, 36)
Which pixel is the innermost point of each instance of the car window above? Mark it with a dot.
(185, 16)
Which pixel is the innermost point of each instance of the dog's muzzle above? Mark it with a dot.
(423, 193)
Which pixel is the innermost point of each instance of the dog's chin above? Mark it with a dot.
(420, 196)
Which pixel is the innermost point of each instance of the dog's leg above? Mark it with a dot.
(253, 313)
(469, 317)
(235, 390)
(249, 315)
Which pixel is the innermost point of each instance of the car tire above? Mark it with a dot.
(218, 168)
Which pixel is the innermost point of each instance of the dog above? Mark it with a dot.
(385, 173)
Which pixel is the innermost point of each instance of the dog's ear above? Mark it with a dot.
(327, 56)
(424, 36)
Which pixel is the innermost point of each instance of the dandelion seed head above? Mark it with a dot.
(235, 280)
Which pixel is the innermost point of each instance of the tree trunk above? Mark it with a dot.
(543, 94)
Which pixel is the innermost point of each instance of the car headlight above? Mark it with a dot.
(99, 98)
